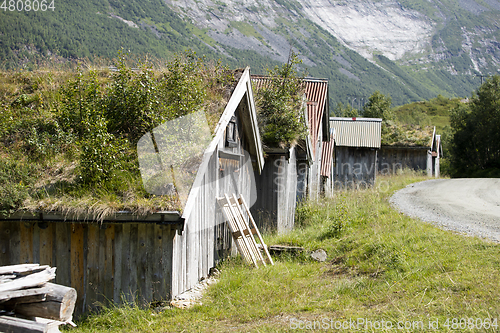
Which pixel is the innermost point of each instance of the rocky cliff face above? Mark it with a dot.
(383, 27)
(408, 32)
(410, 49)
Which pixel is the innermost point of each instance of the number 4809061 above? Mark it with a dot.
(27, 5)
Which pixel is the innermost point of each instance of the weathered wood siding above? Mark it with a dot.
(392, 159)
(206, 238)
(274, 209)
(103, 262)
(138, 262)
(302, 179)
(354, 167)
(314, 186)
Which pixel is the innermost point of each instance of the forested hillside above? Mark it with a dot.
(99, 29)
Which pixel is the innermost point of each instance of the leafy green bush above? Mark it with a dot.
(133, 105)
(184, 85)
(378, 106)
(280, 113)
(101, 152)
(81, 97)
(17, 179)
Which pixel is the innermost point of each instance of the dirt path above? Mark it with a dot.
(469, 205)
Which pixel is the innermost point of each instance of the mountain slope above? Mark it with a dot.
(412, 50)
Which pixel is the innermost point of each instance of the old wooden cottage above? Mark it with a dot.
(395, 157)
(127, 257)
(293, 173)
(357, 141)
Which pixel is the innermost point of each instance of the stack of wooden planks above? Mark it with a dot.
(30, 303)
(235, 209)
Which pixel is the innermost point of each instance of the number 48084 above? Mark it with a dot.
(27, 5)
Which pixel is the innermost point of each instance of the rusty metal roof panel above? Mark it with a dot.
(327, 155)
(316, 91)
(357, 132)
(260, 81)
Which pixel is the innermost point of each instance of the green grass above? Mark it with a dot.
(435, 112)
(381, 266)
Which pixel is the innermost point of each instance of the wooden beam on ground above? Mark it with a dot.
(18, 325)
(22, 268)
(5, 296)
(59, 304)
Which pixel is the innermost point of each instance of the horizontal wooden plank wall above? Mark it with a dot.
(105, 263)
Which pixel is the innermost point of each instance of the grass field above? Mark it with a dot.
(385, 272)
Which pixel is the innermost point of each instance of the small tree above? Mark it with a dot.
(346, 110)
(280, 114)
(378, 106)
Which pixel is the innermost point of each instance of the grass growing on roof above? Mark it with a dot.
(68, 138)
(381, 265)
(279, 106)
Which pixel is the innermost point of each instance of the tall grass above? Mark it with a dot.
(381, 266)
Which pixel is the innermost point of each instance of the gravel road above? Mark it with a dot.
(470, 206)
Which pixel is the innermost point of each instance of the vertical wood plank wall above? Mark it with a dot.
(286, 217)
(102, 262)
(354, 167)
(392, 159)
(277, 188)
(206, 238)
(314, 169)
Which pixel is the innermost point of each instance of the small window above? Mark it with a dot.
(231, 133)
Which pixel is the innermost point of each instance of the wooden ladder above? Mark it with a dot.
(243, 234)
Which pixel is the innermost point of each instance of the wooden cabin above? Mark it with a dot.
(394, 158)
(293, 173)
(148, 258)
(357, 141)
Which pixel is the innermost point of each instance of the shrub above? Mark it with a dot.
(17, 179)
(101, 152)
(280, 112)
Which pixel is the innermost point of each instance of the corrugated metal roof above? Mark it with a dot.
(357, 132)
(327, 155)
(316, 91)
